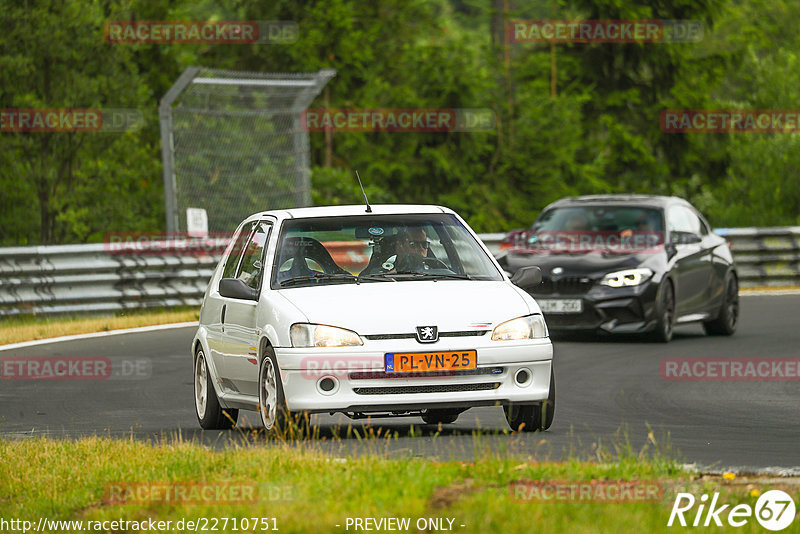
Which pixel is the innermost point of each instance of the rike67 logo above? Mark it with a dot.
(774, 510)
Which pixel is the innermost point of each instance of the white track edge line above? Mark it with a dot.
(762, 292)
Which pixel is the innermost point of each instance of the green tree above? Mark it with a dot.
(70, 186)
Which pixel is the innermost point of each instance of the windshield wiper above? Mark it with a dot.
(318, 276)
(415, 274)
(377, 277)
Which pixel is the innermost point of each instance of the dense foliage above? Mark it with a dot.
(597, 132)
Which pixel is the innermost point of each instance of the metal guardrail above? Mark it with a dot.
(765, 256)
(77, 278)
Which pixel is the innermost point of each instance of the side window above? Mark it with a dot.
(694, 221)
(251, 269)
(704, 229)
(239, 241)
(678, 220)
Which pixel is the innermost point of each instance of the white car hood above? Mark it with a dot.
(399, 307)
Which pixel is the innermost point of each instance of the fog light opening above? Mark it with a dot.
(522, 377)
(328, 385)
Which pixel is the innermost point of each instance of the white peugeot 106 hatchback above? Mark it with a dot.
(379, 311)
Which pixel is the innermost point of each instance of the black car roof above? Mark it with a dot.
(659, 201)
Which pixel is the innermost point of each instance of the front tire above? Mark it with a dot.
(210, 414)
(665, 309)
(725, 323)
(275, 415)
(533, 417)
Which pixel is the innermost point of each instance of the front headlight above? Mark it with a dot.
(530, 327)
(629, 277)
(317, 335)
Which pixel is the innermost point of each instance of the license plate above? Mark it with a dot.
(560, 305)
(417, 362)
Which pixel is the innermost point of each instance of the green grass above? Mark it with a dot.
(31, 327)
(309, 491)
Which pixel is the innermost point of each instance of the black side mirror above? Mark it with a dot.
(526, 277)
(236, 289)
(670, 249)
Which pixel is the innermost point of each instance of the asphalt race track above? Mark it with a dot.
(605, 386)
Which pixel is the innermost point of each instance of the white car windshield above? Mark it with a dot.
(378, 248)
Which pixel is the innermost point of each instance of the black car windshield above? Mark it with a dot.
(607, 228)
(378, 248)
(599, 219)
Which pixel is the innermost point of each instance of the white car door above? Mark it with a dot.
(240, 325)
(215, 307)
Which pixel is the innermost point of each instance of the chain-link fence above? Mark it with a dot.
(233, 144)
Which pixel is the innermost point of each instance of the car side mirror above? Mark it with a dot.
(684, 238)
(526, 277)
(236, 289)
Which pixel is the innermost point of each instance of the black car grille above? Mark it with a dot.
(461, 333)
(589, 317)
(381, 375)
(569, 285)
(438, 388)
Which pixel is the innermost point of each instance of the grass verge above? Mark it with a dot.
(301, 490)
(29, 328)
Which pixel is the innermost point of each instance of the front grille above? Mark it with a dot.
(569, 285)
(370, 375)
(589, 318)
(438, 388)
(460, 333)
(380, 337)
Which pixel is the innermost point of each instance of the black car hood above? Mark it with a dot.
(592, 264)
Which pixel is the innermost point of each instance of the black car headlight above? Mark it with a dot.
(628, 277)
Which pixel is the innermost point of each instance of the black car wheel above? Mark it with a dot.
(665, 310)
(532, 417)
(725, 323)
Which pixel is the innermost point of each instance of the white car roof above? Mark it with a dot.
(357, 209)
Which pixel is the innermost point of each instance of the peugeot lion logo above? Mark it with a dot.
(427, 334)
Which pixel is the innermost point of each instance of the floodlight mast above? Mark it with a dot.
(366, 200)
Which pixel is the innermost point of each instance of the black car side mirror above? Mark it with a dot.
(236, 289)
(527, 277)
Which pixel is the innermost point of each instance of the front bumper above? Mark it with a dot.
(624, 310)
(361, 385)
